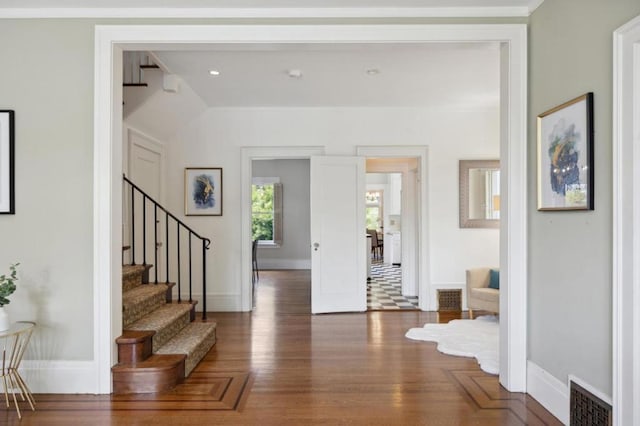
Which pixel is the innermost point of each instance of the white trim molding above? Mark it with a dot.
(217, 302)
(110, 41)
(626, 224)
(45, 376)
(416, 267)
(248, 154)
(548, 391)
(269, 12)
(534, 4)
(107, 208)
(513, 223)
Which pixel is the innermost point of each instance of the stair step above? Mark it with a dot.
(134, 346)
(158, 373)
(166, 321)
(195, 340)
(134, 275)
(141, 300)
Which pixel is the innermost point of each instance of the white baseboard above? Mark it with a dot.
(284, 263)
(548, 391)
(216, 302)
(60, 376)
(223, 303)
(596, 392)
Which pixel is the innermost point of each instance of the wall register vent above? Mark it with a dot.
(587, 409)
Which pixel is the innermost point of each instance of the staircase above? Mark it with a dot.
(160, 344)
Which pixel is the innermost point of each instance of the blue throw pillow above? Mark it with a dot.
(494, 279)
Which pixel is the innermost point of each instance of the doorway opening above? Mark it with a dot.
(280, 231)
(385, 199)
(112, 40)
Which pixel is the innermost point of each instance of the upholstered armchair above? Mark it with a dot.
(482, 293)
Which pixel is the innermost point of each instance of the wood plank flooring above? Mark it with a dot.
(283, 366)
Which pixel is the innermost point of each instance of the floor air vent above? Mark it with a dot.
(587, 409)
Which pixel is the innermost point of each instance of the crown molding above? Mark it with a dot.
(353, 12)
(533, 5)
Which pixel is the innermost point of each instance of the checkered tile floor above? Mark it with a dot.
(384, 289)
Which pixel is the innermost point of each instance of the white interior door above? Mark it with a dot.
(338, 235)
(146, 160)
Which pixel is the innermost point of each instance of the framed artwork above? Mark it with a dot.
(565, 156)
(203, 191)
(7, 162)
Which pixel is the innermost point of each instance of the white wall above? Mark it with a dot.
(295, 250)
(51, 232)
(158, 113)
(214, 139)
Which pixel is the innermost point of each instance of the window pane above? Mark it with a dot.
(262, 212)
(373, 217)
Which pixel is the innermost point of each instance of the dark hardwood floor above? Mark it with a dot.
(281, 365)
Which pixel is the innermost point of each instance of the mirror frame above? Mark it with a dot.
(465, 166)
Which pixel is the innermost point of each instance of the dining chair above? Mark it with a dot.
(254, 261)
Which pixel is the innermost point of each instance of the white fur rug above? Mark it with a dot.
(476, 338)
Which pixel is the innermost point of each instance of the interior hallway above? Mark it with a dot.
(282, 365)
(384, 289)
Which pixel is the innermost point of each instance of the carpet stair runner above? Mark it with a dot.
(160, 344)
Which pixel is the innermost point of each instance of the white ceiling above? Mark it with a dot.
(460, 75)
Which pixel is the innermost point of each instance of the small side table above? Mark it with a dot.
(13, 343)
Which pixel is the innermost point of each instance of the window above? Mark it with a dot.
(374, 209)
(266, 211)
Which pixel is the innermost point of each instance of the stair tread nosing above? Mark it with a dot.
(133, 269)
(167, 321)
(141, 300)
(194, 340)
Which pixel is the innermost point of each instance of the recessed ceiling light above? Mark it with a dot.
(373, 71)
(295, 73)
(214, 72)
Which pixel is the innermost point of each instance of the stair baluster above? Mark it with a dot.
(144, 229)
(155, 242)
(179, 265)
(179, 224)
(190, 258)
(204, 284)
(133, 227)
(166, 233)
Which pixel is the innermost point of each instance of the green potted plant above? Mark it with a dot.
(7, 287)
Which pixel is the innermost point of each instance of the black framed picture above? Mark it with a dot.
(7, 162)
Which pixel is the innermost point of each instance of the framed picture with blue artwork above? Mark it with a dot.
(565, 156)
(203, 191)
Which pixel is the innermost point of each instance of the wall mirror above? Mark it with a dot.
(479, 193)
